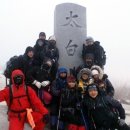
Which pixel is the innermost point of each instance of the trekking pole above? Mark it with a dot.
(93, 123)
(6, 81)
(85, 124)
(59, 113)
(82, 114)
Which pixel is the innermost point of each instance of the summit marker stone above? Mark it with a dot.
(70, 32)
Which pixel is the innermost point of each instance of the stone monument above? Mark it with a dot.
(70, 32)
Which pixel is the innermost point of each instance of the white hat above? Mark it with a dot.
(94, 72)
(52, 38)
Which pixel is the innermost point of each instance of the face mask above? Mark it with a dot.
(89, 63)
(18, 80)
(40, 43)
(52, 43)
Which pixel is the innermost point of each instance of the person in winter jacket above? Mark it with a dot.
(53, 54)
(40, 49)
(84, 79)
(94, 47)
(105, 113)
(102, 81)
(11, 65)
(39, 78)
(26, 61)
(22, 62)
(56, 89)
(20, 101)
(88, 62)
(70, 111)
(42, 35)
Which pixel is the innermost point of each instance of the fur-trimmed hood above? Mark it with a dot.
(99, 69)
(84, 70)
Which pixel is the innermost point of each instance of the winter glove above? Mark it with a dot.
(46, 118)
(45, 83)
(37, 83)
(53, 60)
(121, 122)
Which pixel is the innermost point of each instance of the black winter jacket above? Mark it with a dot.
(40, 51)
(97, 51)
(71, 111)
(56, 88)
(103, 111)
(52, 53)
(108, 87)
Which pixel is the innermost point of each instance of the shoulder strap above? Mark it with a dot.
(27, 93)
(10, 95)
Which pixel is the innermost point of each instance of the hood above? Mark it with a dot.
(99, 69)
(97, 43)
(15, 73)
(52, 38)
(61, 70)
(84, 70)
(105, 76)
(28, 49)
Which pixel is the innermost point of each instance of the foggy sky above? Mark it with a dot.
(107, 21)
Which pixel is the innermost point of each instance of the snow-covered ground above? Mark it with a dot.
(127, 110)
(4, 120)
(3, 110)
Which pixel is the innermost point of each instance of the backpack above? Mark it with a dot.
(98, 52)
(100, 55)
(10, 66)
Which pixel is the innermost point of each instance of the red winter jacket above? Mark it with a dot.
(20, 99)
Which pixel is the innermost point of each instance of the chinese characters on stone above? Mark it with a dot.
(71, 20)
(71, 48)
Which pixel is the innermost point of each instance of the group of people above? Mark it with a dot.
(41, 92)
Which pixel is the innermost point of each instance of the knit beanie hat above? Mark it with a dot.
(71, 79)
